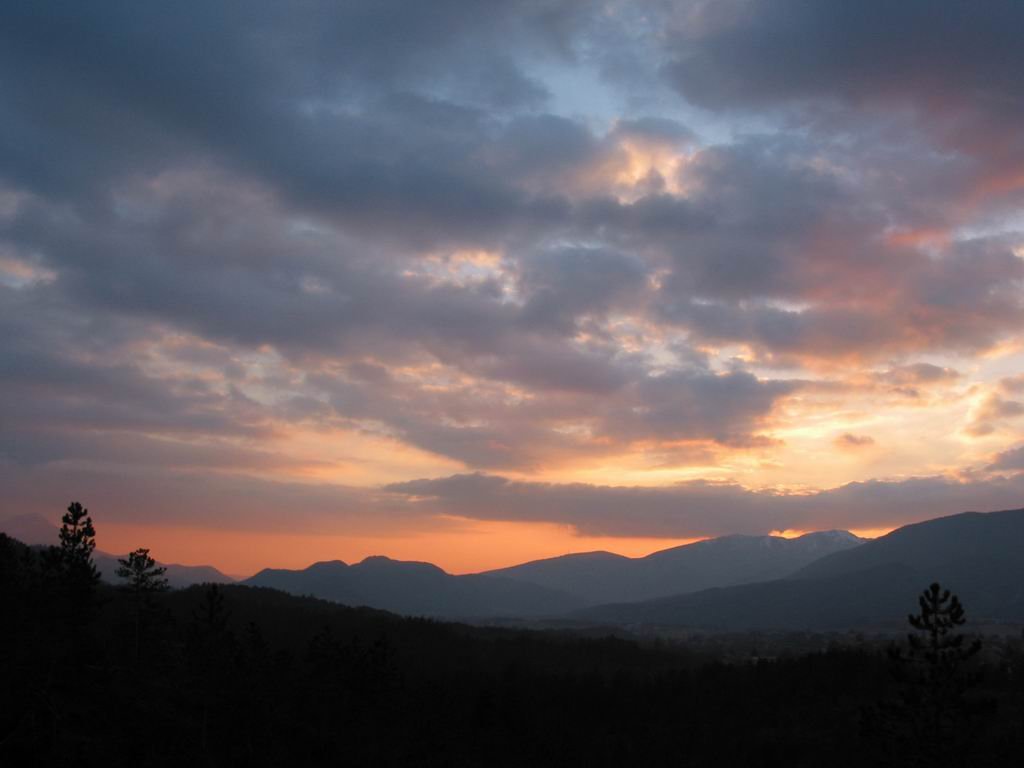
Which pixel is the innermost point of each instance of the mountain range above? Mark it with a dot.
(819, 581)
(603, 577)
(417, 589)
(556, 585)
(978, 556)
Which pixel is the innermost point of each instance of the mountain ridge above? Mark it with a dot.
(721, 561)
(976, 555)
(821, 580)
(415, 588)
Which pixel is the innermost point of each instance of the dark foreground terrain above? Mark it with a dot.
(235, 675)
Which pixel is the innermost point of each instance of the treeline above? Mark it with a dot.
(237, 676)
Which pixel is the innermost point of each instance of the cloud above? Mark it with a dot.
(744, 54)
(142, 84)
(911, 380)
(919, 374)
(848, 441)
(567, 283)
(159, 257)
(679, 406)
(706, 509)
(943, 70)
(200, 500)
(993, 410)
(1011, 459)
(517, 237)
(144, 495)
(793, 260)
(1012, 384)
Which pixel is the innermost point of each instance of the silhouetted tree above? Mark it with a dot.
(937, 643)
(71, 569)
(211, 617)
(77, 543)
(145, 578)
(929, 723)
(143, 574)
(212, 656)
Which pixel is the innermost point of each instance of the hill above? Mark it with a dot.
(601, 577)
(178, 576)
(978, 556)
(969, 539)
(416, 589)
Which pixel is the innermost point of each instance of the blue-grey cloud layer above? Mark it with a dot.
(186, 186)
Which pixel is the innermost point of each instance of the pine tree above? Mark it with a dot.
(143, 574)
(929, 723)
(937, 644)
(70, 569)
(213, 655)
(211, 617)
(145, 578)
(77, 542)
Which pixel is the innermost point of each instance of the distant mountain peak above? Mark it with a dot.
(859, 583)
(382, 562)
(327, 564)
(834, 533)
(723, 561)
(30, 528)
(832, 536)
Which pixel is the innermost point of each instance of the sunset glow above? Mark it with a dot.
(476, 287)
(459, 547)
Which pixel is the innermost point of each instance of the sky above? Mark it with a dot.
(477, 283)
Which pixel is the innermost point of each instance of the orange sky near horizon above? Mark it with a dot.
(473, 547)
(478, 546)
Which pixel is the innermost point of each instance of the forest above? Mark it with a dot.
(231, 675)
